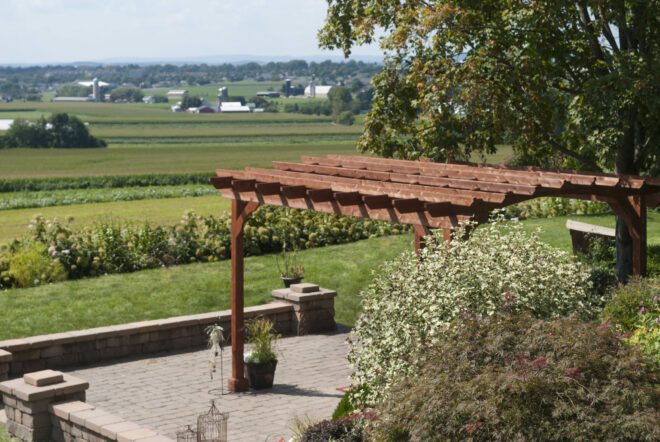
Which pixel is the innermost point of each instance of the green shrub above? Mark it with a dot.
(347, 118)
(514, 377)
(549, 207)
(102, 182)
(31, 266)
(350, 402)
(110, 248)
(412, 300)
(635, 308)
(626, 301)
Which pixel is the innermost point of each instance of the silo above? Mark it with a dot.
(96, 90)
(287, 87)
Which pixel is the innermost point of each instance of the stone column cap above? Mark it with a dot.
(26, 392)
(290, 295)
(43, 378)
(305, 287)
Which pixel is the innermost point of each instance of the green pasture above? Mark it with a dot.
(14, 223)
(172, 158)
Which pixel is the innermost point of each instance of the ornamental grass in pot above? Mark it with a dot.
(260, 360)
(290, 271)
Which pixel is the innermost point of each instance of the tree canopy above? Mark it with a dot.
(566, 83)
(60, 131)
(572, 84)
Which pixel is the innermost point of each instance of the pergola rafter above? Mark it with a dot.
(424, 194)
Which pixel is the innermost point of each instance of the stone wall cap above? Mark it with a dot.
(110, 431)
(28, 393)
(12, 345)
(135, 435)
(43, 378)
(273, 307)
(305, 287)
(64, 409)
(5, 356)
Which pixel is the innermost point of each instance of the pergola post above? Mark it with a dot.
(240, 211)
(632, 210)
(421, 231)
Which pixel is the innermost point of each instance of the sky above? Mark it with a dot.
(46, 31)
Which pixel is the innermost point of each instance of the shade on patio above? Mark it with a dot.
(424, 194)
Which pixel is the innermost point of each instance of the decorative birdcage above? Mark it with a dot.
(212, 426)
(186, 435)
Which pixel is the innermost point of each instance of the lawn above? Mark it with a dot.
(189, 289)
(197, 288)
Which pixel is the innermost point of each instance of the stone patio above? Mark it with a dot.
(168, 391)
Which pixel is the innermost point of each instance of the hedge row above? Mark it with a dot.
(56, 252)
(99, 182)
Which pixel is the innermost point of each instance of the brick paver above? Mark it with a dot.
(169, 391)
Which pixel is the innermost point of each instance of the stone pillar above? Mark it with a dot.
(314, 307)
(27, 399)
(5, 358)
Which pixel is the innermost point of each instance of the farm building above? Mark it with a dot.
(268, 94)
(233, 107)
(72, 99)
(177, 93)
(313, 91)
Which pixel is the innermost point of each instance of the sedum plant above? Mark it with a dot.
(411, 301)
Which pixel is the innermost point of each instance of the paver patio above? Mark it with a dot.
(171, 390)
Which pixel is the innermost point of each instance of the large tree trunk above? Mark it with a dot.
(624, 249)
(625, 164)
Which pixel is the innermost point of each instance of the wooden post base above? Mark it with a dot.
(238, 385)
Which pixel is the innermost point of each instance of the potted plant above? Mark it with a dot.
(290, 271)
(261, 360)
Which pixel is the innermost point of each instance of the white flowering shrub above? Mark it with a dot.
(412, 300)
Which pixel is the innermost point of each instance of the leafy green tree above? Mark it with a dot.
(346, 118)
(190, 101)
(132, 94)
(573, 84)
(74, 90)
(60, 131)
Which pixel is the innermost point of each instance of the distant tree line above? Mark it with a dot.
(14, 90)
(58, 131)
(342, 104)
(146, 76)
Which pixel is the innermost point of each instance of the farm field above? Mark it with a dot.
(14, 223)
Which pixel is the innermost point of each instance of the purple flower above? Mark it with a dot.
(540, 261)
(642, 310)
(65, 251)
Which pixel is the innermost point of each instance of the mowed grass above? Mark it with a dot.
(197, 288)
(171, 158)
(189, 289)
(14, 223)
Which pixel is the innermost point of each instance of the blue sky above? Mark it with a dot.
(40, 31)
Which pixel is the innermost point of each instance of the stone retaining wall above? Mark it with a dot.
(304, 308)
(50, 406)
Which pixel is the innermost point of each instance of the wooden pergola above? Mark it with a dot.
(424, 194)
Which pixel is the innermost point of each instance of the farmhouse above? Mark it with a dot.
(177, 93)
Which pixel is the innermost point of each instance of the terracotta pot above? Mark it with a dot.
(260, 375)
(290, 280)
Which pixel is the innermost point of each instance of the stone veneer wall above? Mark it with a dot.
(304, 308)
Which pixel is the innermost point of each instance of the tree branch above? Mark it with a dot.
(607, 31)
(587, 24)
(584, 160)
